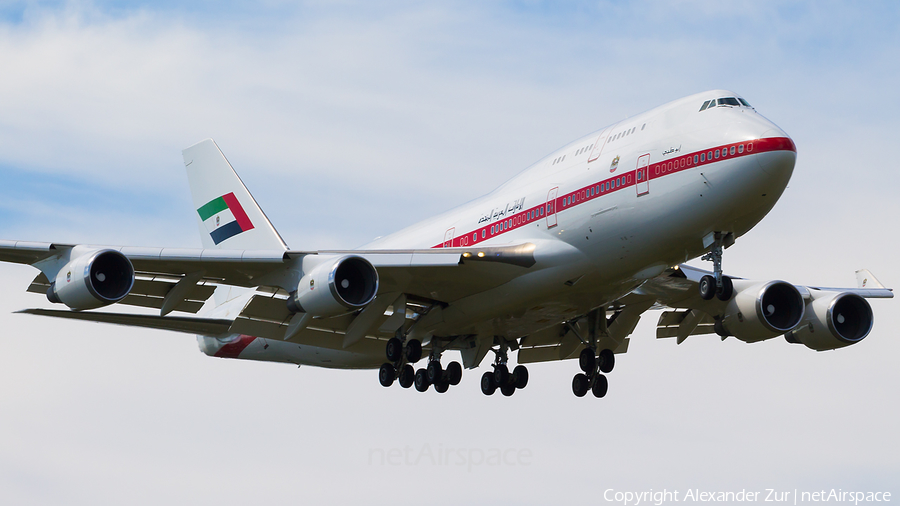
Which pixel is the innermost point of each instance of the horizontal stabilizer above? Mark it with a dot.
(205, 326)
(865, 279)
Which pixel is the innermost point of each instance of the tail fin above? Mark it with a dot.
(229, 217)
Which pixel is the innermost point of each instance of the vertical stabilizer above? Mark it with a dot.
(229, 216)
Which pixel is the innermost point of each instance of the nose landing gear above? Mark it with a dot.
(717, 285)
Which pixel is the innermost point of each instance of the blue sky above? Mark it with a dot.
(349, 121)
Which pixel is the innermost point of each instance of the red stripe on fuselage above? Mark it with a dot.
(243, 220)
(233, 350)
(626, 180)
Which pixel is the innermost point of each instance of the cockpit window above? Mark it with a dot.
(705, 105)
(744, 102)
(729, 101)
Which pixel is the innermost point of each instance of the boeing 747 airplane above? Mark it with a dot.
(558, 263)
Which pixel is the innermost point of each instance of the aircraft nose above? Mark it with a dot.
(778, 163)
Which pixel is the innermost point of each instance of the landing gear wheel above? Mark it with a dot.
(488, 385)
(454, 373)
(386, 374)
(607, 361)
(600, 386)
(520, 376)
(407, 376)
(586, 360)
(434, 371)
(580, 385)
(707, 287)
(413, 351)
(725, 292)
(501, 374)
(441, 386)
(394, 349)
(421, 380)
(508, 390)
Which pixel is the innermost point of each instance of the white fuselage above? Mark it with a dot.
(606, 212)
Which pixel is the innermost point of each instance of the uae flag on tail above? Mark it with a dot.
(224, 217)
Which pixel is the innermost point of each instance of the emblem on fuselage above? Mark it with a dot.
(615, 164)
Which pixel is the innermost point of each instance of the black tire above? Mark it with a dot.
(520, 376)
(454, 373)
(442, 386)
(707, 287)
(394, 349)
(726, 291)
(607, 361)
(580, 385)
(386, 374)
(508, 390)
(413, 351)
(600, 386)
(488, 385)
(421, 380)
(501, 375)
(587, 361)
(434, 371)
(407, 376)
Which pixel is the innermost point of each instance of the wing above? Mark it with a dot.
(685, 313)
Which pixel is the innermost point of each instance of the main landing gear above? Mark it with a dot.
(717, 285)
(501, 377)
(399, 366)
(592, 379)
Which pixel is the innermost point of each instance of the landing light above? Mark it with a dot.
(466, 254)
(481, 254)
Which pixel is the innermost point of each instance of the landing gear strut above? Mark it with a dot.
(717, 285)
(508, 382)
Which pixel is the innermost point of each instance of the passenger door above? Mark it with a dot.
(642, 175)
(551, 207)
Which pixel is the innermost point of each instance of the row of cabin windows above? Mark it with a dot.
(625, 132)
(724, 102)
(703, 157)
(505, 225)
(580, 151)
(596, 189)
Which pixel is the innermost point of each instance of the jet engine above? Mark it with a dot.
(335, 287)
(762, 311)
(834, 320)
(93, 280)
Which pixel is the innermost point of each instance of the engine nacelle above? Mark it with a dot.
(763, 311)
(93, 280)
(335, 287)
(834, 320)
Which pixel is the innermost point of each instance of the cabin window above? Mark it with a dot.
(731, 150)
(741, 148)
